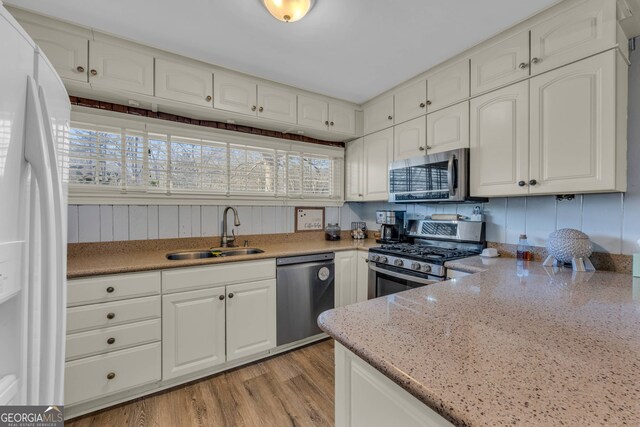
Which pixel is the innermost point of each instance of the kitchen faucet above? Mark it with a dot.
(226, 240)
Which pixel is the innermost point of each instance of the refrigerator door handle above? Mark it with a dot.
(35, 153)
(56, 305)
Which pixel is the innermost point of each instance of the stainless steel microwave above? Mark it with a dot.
(440, 177)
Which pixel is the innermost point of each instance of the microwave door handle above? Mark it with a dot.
(451, 175)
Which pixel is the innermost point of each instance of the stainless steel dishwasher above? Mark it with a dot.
(305, 288)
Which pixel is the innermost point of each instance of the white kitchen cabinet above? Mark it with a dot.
(378, 115)
(234, 93)
(499, 142)
(275, 103)
(67, 52)
(411, 102)
(448, 86)
(362, 282)
(448, 129)
(120, 67)
(354, 157)
(367, 398)
(346, 275)
(193, 331)
(319, 114)
(587, 28)
(377, 153)
(410, 139)
(342, 119)
(251, 318)
(184, 82)
(500, 64)
(574, 134)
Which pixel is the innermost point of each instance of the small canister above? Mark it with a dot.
(332, 232)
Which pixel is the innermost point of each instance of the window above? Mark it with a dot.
(123, 160)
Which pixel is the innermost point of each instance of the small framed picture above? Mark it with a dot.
(309, 219)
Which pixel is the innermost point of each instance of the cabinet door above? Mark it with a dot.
(68, 53)
(233, 93)
(448, 86)
(313, 112)
(362, 286)
(410, 139)
(184, 83)
(573, 127)
(275, 103)
(378, 115)
(378, 153)
(342, 119)
(500, 142)
(583, 30)
(353, 170)
(118, 67)
(411, 102)
(251, 318)
(346, 277)
(500, 64)
(448, 129)
(193, 331)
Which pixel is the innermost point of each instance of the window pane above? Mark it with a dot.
(252, 170)
(317, 176)
(95, 157)
(158, 162)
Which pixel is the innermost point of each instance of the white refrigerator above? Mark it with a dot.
(34, 125)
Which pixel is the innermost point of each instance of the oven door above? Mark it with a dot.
(388, 280)
(438, 177)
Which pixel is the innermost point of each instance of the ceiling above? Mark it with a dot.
(348, 49)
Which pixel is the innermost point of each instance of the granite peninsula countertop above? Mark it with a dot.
(85, 260)
(513, 344)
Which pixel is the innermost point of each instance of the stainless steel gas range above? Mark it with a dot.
(420, 260)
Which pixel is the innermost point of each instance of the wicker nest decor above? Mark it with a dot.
(568, 245)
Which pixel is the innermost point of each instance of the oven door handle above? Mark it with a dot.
(450, 175)
(403, 276)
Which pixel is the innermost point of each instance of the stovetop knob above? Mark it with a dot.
(426, 268)
(375, 258)
(415, 266)
(398, 263)
(383, 259)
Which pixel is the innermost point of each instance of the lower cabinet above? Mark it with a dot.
(346, 278)
(367, 398)
(208, 327)
(362, 282)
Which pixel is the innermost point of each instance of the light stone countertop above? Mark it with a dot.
(127, 257)
(513, 344)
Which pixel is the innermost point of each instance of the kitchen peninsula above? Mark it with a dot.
(510, 344)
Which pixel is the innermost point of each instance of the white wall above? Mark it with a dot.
(106, 223)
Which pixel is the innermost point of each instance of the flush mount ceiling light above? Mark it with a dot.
(288, 10)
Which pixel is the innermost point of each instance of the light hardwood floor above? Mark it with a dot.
(291, 389)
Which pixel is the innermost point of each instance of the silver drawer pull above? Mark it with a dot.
(111, 315)
(111, 375)
(111, 340)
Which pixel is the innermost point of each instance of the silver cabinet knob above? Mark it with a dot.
(261, 109)
(110, 289)
(331, 123)
(535, 60)
(422, 105)
(208, 98)
(390, 117)
(111, 341)
(533, 182)
(429, 147)
(93, 72)
(111, 316)
(326, 122)
(111, 375)
(80, 69)
(521, 183)
(523, 65)
(253, 108)
(421, 148)
(231, 295)
(221, 297)
(429, 102)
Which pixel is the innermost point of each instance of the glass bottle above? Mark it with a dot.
(523, 251)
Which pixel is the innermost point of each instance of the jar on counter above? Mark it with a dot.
(332, 232)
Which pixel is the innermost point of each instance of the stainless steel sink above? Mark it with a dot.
(212, 253)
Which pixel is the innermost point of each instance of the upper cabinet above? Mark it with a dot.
(378, 115)
(319, 114)
(411, 102)
(587, 28)
(185, 83)
(500, 64)
(410, 139)
(234, 93)
(68, 52)
(448, 86)
(353, 170)
(120, 67)
(448, 129)
(243, 95)
(377, 153)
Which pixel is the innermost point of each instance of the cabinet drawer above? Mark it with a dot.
(104, 340)
(112, 313)
(87, 379)
(111, 288)
(217, 275)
